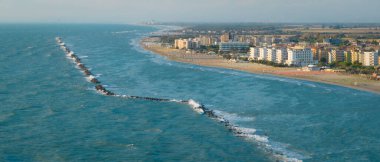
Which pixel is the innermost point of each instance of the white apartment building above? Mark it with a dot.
(262, 53)
(300, 57)
(271, 54)
(253, 53)
(370, 58)
(281, 55)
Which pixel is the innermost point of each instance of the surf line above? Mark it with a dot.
(197, 107)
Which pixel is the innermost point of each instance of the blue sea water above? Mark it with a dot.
(48, 111)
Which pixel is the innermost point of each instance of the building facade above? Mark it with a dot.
(205, 40)
(300, 57)
(225, 38)
(233, 47)
(336, 56)
(271, 54)
(370, 59)
(254, 53)
(262, 53)
(281, 55)
(186, 43)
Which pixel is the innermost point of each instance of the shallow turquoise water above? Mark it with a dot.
(49, 112)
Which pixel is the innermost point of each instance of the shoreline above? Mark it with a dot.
(344, 80)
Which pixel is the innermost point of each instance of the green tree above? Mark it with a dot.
(323, 60)
(228, 57)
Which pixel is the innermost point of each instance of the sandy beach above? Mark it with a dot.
(341, 79)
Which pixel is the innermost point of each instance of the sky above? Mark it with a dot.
(135, 11)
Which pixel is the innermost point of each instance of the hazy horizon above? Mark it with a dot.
(212, 11)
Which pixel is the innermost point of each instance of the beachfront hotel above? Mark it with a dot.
(253, 53)
(281, 55)
(355, 56)
(271, 54)
(370, 58)
(262, 53)
(277, 55)
(336, 56)
(300, 57)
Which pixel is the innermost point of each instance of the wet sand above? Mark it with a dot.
(341, 79)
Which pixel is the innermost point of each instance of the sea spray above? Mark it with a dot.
(196, 106)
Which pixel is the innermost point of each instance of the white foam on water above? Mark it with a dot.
(233, 116)
(83, 56)
(310, 85)
(101, 92)
(196, 106)
(279, 151)
(246, 130)
(175, 100)
(90, 77)
(255, 137)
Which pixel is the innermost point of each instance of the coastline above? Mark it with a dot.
(344, 80)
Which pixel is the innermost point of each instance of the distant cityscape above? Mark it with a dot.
(336, 46)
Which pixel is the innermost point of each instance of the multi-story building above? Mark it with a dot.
(225, 38)
(370, 59)
(361, 57)
(322, 54)
(181, 44)
(271, 54)
(300, 57)
(254, 41)
(262, 53)
(336, 56)
(205, 40)
(355, 56)
(314, 50)
(281, 55)
(254, 53)
(233, 47)
(347, 56)
(186, 43)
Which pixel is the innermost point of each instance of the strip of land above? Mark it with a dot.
(341, 79)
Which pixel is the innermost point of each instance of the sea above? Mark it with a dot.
(50, 112)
